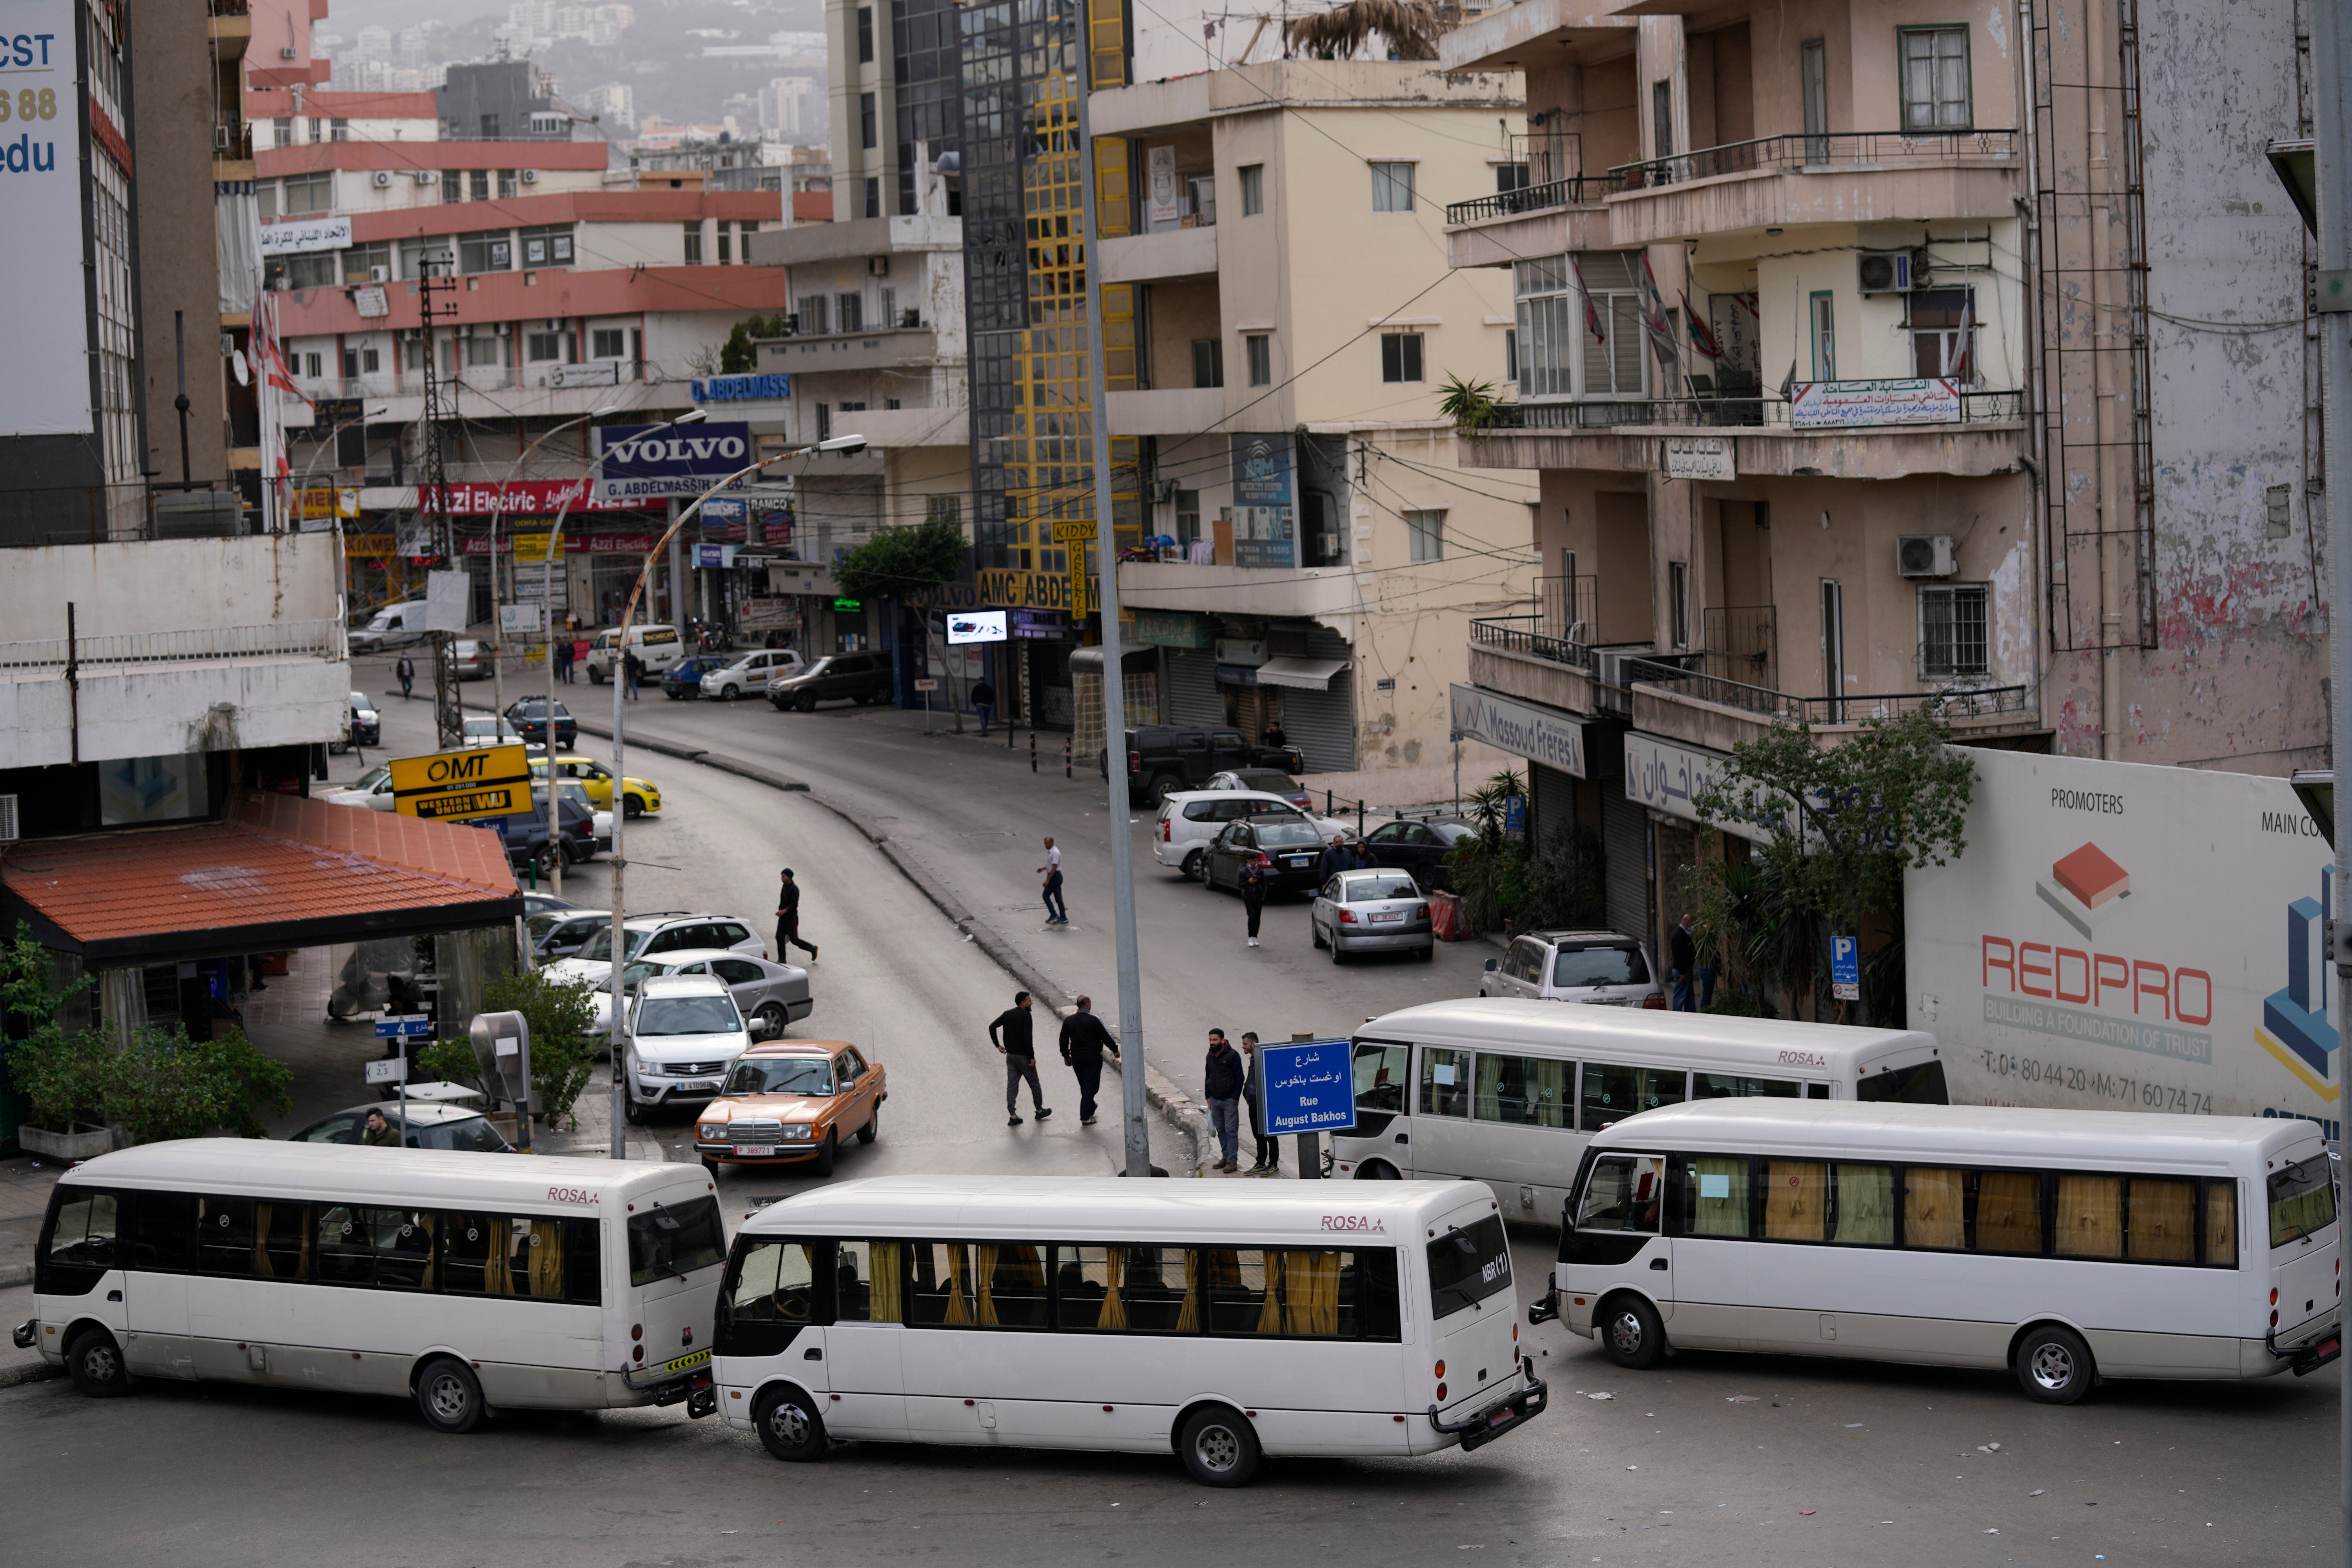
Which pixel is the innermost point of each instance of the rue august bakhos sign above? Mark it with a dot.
(2119, 937)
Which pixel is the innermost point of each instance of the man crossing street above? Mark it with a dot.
(1013, 1032)
(788, 919)
(1084, 1041)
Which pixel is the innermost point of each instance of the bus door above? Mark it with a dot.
(1383, 1129)
(865, 1386)
(1618, 1237)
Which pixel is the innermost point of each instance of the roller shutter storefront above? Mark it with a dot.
(1322, 724)
(1624, 839)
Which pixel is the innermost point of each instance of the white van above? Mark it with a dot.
(657, 647)
(395, 626)
(1508, 1090)
(1132, 1317)
(463, 1281)
(2064, 1245)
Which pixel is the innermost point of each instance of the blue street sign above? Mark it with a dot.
(394, 1026)
(1307, 1085)
(1515, 813)
(1845, 968)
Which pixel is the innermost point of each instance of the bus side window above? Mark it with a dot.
(1863, 1211)
(163, 1233)
(1614, 1093)
(1380, 1076)
(1623, 1192)
(769, 1297)
(1445, 1082)
(1716, 1197)
(78, 1242)
(583, 1262)
(2221, 1223)
(1817, 1091)
(865, 1281)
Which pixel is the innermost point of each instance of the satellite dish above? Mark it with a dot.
(237, 363)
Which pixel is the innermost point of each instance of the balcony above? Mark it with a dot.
(1677, 697)
(898, 429)
(1835, 177)
(1171, 253)
(880, 348)
(232, 146)
(1167, 411)
(230, 28)
(1768, 436)
(1534, 220)
(1327, 591)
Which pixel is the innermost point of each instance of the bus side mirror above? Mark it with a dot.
(1493, 964)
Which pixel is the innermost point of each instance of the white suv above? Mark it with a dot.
(685, 1031)
(652, 935)
(1601, 967)
(752, 673)
(1189, 819)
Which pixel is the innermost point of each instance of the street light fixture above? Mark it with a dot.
(620, 773)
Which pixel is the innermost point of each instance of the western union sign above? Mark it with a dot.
(455, 786)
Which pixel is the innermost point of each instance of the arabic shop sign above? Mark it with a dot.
(1306, 1086)
(1668, 777)
(1927, 401)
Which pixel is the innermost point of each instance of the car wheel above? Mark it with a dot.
(778, 704)
(1630, 1333)
(789, 1427)
(595, 676)
(808, 701)
(2053, 1365)
(1195, 866)
(1220, 1448)
(830, 1152)
(1315, 932)
(873, 1128)
(1161, 787)
(631, 1111)
(95, 1363)
(729, 693)
(1337, 955)
(633, 806)
(448, 1396)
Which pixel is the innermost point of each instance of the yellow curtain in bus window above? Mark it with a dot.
(2090, 1217)
(2009, 1211)
(1932, 1211)
(1796, 1200)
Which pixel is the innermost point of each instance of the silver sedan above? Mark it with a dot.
(770, 995)
(1375, 909)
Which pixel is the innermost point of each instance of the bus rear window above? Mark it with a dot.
(1468, 1264)
(674, 1239)
(1921, 1084)
(2303, 1200)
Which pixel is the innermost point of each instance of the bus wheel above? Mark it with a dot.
(95, 1363)
(1219, 1447)
(1377, 1170)
(448, 1396)
(1630, 1333)
(2053, 1365)
(789, 1424)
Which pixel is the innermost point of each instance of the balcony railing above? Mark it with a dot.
(1742, 642)
(316, 639)
(226, 7)
(1571, 607)
(1528, 635)
(1678, 677)
(1583, 191)
(1825, 150)
(1737, 411)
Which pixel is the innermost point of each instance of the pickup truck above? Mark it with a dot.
(1162, 759)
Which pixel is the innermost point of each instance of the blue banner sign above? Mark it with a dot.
(642, 462)
(1307, 1087)
(741, 388)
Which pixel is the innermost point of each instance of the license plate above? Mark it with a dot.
(755, 1150)
(688, 1362)
(697, 1088)
(1301, 860)
(1379, 917)
(1502, 1417)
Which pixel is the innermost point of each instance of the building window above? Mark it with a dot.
(605, 342)
(506, 184)
(481, 351)
(1253, 189)
(1208, 361)
(1943, 327)
(1510, 177)
(816, 312)
(1426, 533)
(281, 132)
(1678, 602)
(360, 263)
(1934, 78)
(308, 193)
(865, 126)
(866, 35)
(850, 309)
(318, 130)
(340, 131)
(1662, 118)
(1511, 355)
(544, 347)
(1392, 187)
(485, 251)
(370, 361)
(726, 242)
(453, 185)
(412, 356)
(548, 247)
(873, 195)
(310, 366)
(477, 185)
(1955, 625)
(1259, 348)
(1824, 322)
(1614, 359)
(694, 245)
(1550, 326)
(1814, 75)
(489, 127)
(1401, 356)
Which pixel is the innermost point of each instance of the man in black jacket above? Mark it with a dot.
(788, 919)
(1269, 1150)
(1222, 1081)
(1681, 962)
(1013, 1032)
(1084, 1041)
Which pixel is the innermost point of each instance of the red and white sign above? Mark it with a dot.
(573, 544)
(543, 498)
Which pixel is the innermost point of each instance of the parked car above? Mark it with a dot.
(785, 1101)
(1265, 780)
(859, 678)
(638, 796)
(1162, 759)
(1288, 847)
(471, 659)
(1601, 967)
(372, 790)
(487, 731)
(1421, 847)
(653, 935)
(751, 672)
(1190, 819)
(657, 647)
(535, 904)
(683, 1032)
(683, 681)
(1378, 910)
(458, 1128)
(559, 933)
(367, 724)
(525, 832)
(394, 626)
(529, 717)
(772, 995)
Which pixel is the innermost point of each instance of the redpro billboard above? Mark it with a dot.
(2127, 938)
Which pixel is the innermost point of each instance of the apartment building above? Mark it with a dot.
(1943, 355)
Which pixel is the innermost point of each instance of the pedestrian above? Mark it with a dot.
(1336, 857)
(1221, 1082)
(1083, 1041)
(1253, 894)
(1057, 914)
(631, 668)
(1273, 734)
(564, 659)
(1013, 1032)
(788, 917)
(380, 1133)
(1363, 856)
(1681, 963)
(406, 670)
(984, 702)
(1269, 1150)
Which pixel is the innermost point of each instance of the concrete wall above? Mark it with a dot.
(172, 85)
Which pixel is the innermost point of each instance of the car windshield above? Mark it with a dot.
(781, 1075)
(2303, 1200)
(676, 1239)
(671, 1015)
(1364, 889)
(464, 1135)
(371, 778)
(600, 944)
(1283, 835)
(1600, 966)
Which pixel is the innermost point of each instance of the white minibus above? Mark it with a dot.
(2065, 1245)
(468, 1282)
(1506, 1091)
(1221, 1321)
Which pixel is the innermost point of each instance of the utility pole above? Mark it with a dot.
(1122, 848)
(433, 495)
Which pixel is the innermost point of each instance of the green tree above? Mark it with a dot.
(898, 562)
(1471, 404)
(1847, 821)
(740, 354)
(1490, 866)
(562, 1014)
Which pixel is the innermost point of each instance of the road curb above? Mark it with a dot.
(15, 1274)
(724, 763)
(28, 1372)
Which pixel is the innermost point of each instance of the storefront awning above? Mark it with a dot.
(1312, 674)
(278, 872)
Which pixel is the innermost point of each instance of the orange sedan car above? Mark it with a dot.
(785, 1101)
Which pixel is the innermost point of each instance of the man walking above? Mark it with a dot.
(406, 670)
(1221, 1082)
(1012, 1033)
(564, 659)
(631, 668)
(1269, 1150)
(1681, 964)
(1084, 1041)
(984, 702)
(1056, 913)
(788, 919)
(1336, 857)
(1253, 895)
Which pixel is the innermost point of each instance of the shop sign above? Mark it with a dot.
(298, 236)
(1700, 457)
(1265, 524)
(41, 251)
(1040, 626)
(594, 373)
(646, 462)
(741, 388)
(1668, 777)
(1074, 531)
(1014, 589)
(768, 615)
(1560, 741)
(533, 546)
(800, 578)
(328, 503)
(715, 557)
(847, 606)
(1173, 628)
(1929, 400)
(370, 546)
(458, 786)
(541, 498)
(1248, 651)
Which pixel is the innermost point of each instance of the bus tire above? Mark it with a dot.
(827, 1153)
(789, 1427)
(1630, 1334)
(95, 1363)
(448, 1396)
(1377, 1170)
(1219, 1446)
(2053, 1365)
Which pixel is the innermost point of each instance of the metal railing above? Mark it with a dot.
(1570, 608)
(1742, 642)
(316, 639)
(1823, 150)
(1585, 191)
(1526, 634)
(1763, 701)
(1736, 411)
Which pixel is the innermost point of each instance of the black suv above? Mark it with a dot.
(859, 678)
(1162, 759)
(525, 833)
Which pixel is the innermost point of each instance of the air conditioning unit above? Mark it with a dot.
(427, 176)
(502, 329)
(381, 179)
(379, 274)
(530, 176)
(554, 323)
(409, 334)
(463, 331)
(1924, 555)
(288, 53)
(878, 267)
(8, 831)
(1891, 271)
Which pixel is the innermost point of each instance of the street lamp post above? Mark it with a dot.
(620, 771)
(498, 651)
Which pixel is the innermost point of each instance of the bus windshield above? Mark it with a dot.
(1380, 1076)
(2303, 1200)
(674, 1238)
(1468, 1264)
(1920, 1085)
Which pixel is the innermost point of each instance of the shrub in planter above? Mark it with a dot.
(164, 1084)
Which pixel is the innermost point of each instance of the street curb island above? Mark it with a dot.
(1179, 1110)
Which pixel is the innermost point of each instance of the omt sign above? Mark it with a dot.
(454, 786)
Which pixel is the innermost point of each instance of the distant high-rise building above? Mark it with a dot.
(614, 103)
(783, 105)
